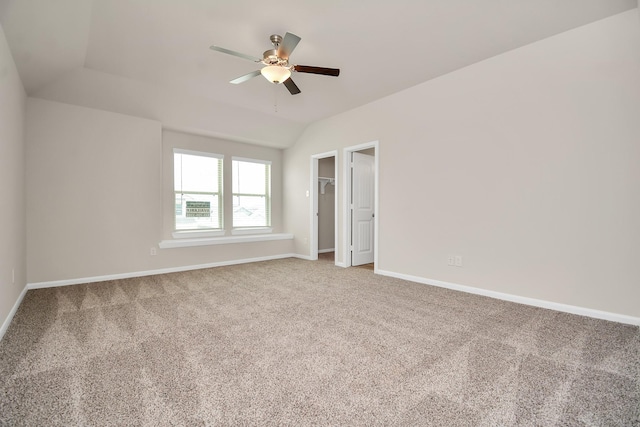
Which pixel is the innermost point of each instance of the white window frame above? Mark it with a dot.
(245, 230)
(208, 232)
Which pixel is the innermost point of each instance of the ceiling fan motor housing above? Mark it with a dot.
(270, 57)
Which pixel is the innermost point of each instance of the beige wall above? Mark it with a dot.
(95, 196)
(93, 192)
(525, 164)
(12, 183)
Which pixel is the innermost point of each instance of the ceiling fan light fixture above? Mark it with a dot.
(275, 73)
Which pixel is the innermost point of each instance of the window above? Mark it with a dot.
(197, 186)
(251, 193)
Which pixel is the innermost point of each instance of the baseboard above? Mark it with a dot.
(614, 317)
(308, 258)
(56, 283)
(324, 251)
(14, 309)
(597, 314)
(304, 257)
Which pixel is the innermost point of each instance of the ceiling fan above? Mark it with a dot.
(277, 68)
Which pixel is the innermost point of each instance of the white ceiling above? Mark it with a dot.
(381, 47)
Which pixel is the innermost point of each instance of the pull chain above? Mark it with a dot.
(275, 98)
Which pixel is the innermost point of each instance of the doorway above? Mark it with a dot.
(324, 205)
(360, 205)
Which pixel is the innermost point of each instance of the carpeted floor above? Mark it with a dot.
(293, 342)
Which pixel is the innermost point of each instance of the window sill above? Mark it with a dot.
(255, 230)
(182, 243)
(195, 234)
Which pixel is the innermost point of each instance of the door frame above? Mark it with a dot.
(313, 241)
(347, 197)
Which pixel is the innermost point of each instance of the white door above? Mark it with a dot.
(363, 202)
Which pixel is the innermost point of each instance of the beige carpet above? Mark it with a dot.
(292, 342)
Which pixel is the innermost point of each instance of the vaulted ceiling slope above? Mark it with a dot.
(151, 58)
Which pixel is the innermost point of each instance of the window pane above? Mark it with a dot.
(197, 211)
(195, 173)
(250, 211)
(249, 178)
(251, 182)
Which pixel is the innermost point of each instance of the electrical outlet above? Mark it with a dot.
(153, 251)
(451, 260)
(458, 261)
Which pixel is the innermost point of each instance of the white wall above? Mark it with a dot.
(525, 164)
(12, 184)
(96, 203)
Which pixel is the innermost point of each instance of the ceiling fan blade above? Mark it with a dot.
(234, 53)
(287, 45)
(293, 88)
(246, 77)
(317, 70)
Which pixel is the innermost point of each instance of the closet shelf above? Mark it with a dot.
(324, 181)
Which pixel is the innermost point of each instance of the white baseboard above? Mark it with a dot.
(308, 258)
(14, 309)
(588, 312)
(93, 279)
(56, 283)
(324, 251)
(614, 317)
(304, 257)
